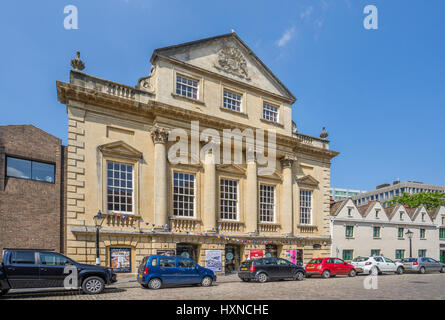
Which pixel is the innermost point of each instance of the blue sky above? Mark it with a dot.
(380, 93)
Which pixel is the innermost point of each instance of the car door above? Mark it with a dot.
(270, 266)
(187, 271)
(380, 263)
(52, 266)
(435, 265)
(390, 265)
(22, 270)
(168, 271)
(285, 269)
(426, 264)
(340, 266)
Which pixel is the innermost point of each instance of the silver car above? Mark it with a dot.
(422, 265)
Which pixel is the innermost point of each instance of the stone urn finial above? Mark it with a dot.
(324, 134)
(76, 63)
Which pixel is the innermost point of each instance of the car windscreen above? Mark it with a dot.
(246, 263)
(360, 259)
(315, 261)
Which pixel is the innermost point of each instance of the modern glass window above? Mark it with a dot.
(267, 203)
(270, 112)
(348, 254)
(28, 169)
(422, 233)
(232, 101)
(305, 206)
(422, 253)
(119, 187)
(442, 233)
(187, 87)
(376, 232)
(400, 254)
(400, 232)
(375, 252)
(349, 233)
(183, 194)
(229, 199)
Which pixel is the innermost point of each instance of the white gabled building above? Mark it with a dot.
(372, 229)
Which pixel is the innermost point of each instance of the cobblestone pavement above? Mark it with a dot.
(407, 286)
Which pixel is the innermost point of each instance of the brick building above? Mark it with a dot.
(32, 188)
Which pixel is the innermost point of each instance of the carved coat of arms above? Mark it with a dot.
(231, 60)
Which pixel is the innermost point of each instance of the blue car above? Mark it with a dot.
(157, 271)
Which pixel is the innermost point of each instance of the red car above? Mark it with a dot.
(327, 267)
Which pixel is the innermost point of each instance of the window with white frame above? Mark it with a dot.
(119, 187)
(270, 112)
(229, 199)
(232, 101)
(305, 206)
(267, 203)
(187, 87)
(183, 194)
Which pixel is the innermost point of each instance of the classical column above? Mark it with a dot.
(160, 138)
(209, 216)
(251, 197)
(286, 212)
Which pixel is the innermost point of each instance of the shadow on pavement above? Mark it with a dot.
(54, 293)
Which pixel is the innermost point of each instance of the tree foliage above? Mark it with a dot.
(431, 200)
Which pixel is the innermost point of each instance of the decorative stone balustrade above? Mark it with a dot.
(307, 228)
(269, 227)
(185, 224)
(226, 226)
(112, 220)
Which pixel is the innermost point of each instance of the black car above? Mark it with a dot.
(37, 269)
(266, 269)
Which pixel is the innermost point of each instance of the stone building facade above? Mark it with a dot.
(32, 189)
(121, 161)
(372, 229)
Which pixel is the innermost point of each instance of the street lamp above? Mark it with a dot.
(409, 234)
(98, 220)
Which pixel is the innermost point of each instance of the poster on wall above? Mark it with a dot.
(166, 252)
(120, 259)
(256, 254)
(291, 255)
(213, 260)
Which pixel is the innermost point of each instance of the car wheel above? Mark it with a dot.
(3, 292)
(442, 270)
(399, 270)
(374, 271)
(298, 276)
(352, 273)
(246, 280)
(262, 277)
(422, 270)
(93, 285)
(206, 281)
(326, 274)
(155, 283)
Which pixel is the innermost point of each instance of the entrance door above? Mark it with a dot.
(271, 251)
(187, 250)
(232, 258)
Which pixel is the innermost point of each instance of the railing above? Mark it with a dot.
(268, 227)
(230, 226)
(121, 90)
(185, 224)
(304, 138)
(307, 228)
(119, 221)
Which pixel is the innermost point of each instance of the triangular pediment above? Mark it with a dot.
(308, 180)
(231, 168)
(226, 55)
(121, 149)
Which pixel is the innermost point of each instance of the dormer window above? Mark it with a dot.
(187, 87)
(270, 112)
(423, 216)
(232, 101)
(377, 214)
(349, 212)
(401, 215)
